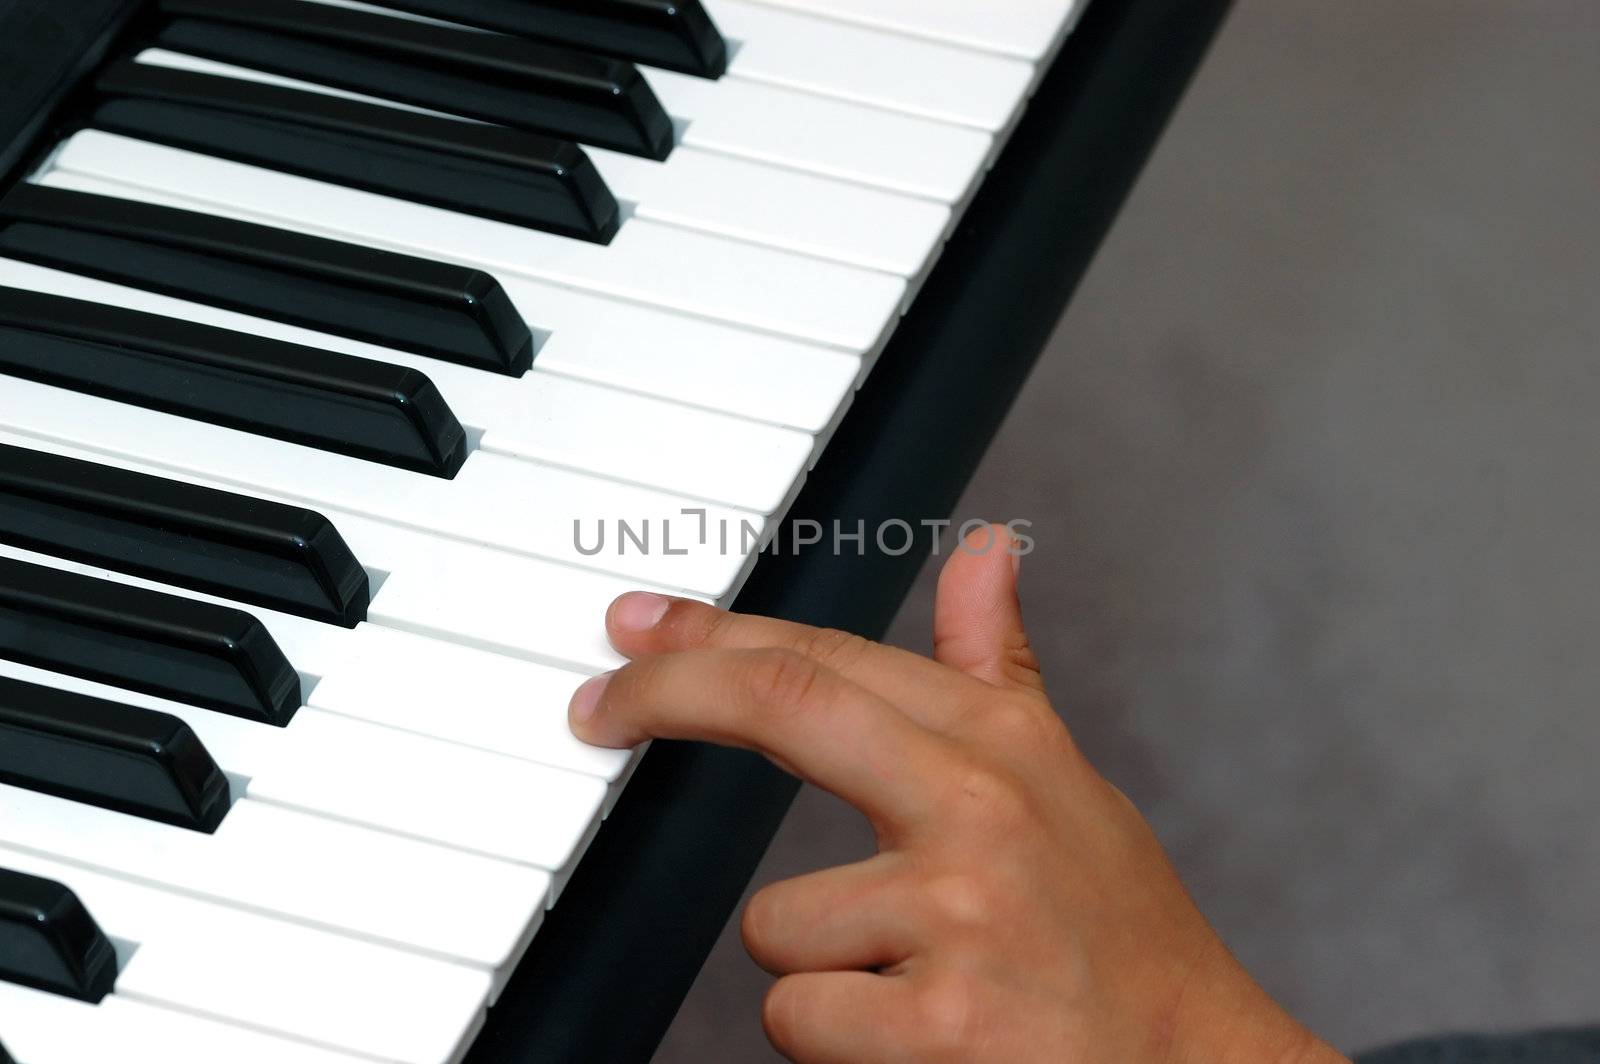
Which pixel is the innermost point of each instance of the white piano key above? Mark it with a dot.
(1027, 29)
(280, 862)
(848, 223)
(659, 265)
(699, 362)
(389, 780)
(717, 193)
(539, 416)
(546, 613)
(495, 501)
(637, 348)
(41, 1028)
(803, 131)
(870, 66)
(429, 688)
(273, 975)
(834, 138)
(505, 705)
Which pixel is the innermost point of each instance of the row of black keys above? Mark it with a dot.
(522, 165)
(341, 403)
(149, 763)
(121, 757)
(230, 546)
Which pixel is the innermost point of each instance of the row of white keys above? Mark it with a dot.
(434, 689)
(727, 196)
(637, 348)
(850, 224)
(1026, 29)
(689, 360)
(834, 138)
(43, 1028)
(540, 416)
(273, 975)
(520, 506)
(476, 596)
(770, 124)
(659, 265)
(377, 777)
(339, 877)
(871, 66)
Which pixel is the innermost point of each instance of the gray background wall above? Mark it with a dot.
(1312, 463)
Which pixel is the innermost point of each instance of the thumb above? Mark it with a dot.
(977, 617)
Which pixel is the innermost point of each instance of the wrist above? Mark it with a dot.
(1224, 1017)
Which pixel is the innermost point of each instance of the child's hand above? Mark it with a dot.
(1019, 908)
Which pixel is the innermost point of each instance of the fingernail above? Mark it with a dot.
(587, 699)
(639, 611)
(1016, 557)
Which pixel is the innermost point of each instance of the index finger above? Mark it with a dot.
(803, 716)
(641, 624)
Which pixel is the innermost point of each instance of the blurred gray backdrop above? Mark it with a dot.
(1312, 462)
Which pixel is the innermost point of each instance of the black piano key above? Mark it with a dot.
(354, 406)
(491, 77)
(504, 174)
(175, 648)
(49, 941)
(249, 550)
(448, 312)
(102, 753)
(673, 34)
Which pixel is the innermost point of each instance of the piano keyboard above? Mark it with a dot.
(334, 337)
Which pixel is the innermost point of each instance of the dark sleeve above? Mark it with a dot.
(1574, 1046)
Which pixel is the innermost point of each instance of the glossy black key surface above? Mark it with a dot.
(674, 34)
(175, 648)
(452, 313)
(102, 753)
(249, 550)
(491, 77)
(490, 171)
(49, 941)
(354, 406)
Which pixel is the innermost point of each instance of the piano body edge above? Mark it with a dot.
(50, 46)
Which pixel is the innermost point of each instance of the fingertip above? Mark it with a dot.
(978, 625)
(585, 705)
(633, 619)
(975, 559)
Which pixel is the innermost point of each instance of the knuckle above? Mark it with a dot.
(995, 800)
(1020, 656)
(708, 627)
(833, 646)
(947, 1010)
(960, 900)
(633, 684)
(1022, 724)
(782, 679)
